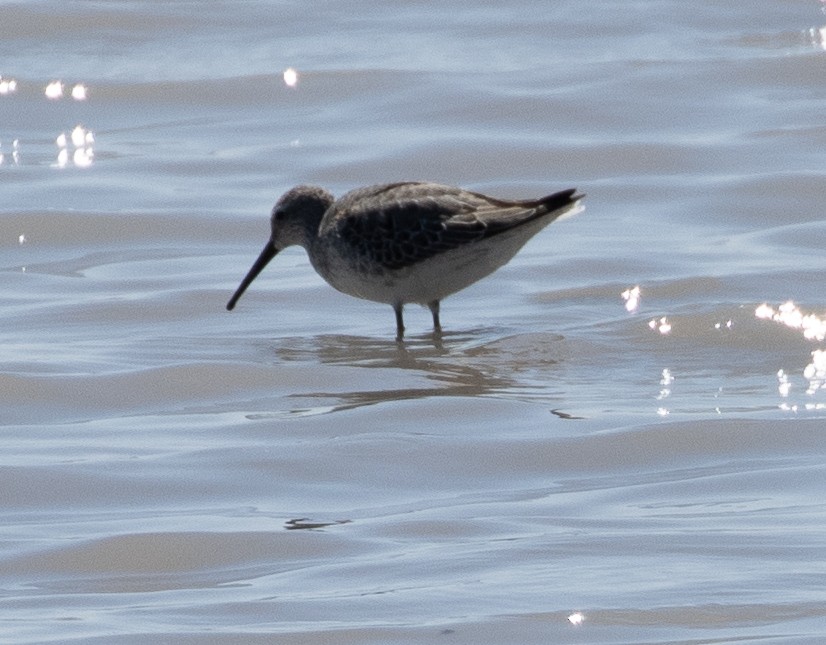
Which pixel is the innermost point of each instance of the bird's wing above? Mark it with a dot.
(398, 225)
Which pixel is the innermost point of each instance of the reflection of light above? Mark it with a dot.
(815, 372)
(15, 153)
(783, 385)
(666, 381)
(83, 154)
(789, 314)
(726, 324)
(818, 37)
(82, 157)
(54, 90)
(21, 239)
(79, 136)
(665, 391)
(632, 298)
(7, 86)
(290, 77)
(576, 619)
(813, 328)
(662, 325)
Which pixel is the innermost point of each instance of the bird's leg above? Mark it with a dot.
(434, 309)
(399, 320)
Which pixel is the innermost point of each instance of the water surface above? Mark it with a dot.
(620, 435)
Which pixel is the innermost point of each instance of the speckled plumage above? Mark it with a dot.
(405, 242)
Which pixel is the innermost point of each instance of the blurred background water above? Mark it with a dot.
(618, 437)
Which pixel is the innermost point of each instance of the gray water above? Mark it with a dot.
(620, 436)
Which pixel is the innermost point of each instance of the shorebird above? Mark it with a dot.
(410, 242)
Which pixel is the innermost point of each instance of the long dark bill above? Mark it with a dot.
(267, 254)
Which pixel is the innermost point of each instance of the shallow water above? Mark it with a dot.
(620, 436)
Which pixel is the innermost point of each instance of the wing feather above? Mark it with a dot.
(397, 225)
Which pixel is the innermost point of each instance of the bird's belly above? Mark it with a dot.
(423, 282)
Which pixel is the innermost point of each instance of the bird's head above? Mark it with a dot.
(295, 219)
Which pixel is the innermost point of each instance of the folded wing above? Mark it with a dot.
(398, 225)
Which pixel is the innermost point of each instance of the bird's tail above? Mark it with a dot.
(568, 202)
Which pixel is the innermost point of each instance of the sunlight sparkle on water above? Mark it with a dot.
(83, 154)
(82, 157)
(789, 314)
(662, 325)
(82, 137)
(79, 92)
(577, 618)
(54, 90)
(815, 372)
(290, 77)
(7, 86)
(783, 384)
(818, 37)
(632, 298)
(666, 381)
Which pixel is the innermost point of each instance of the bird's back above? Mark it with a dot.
(393, 226)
